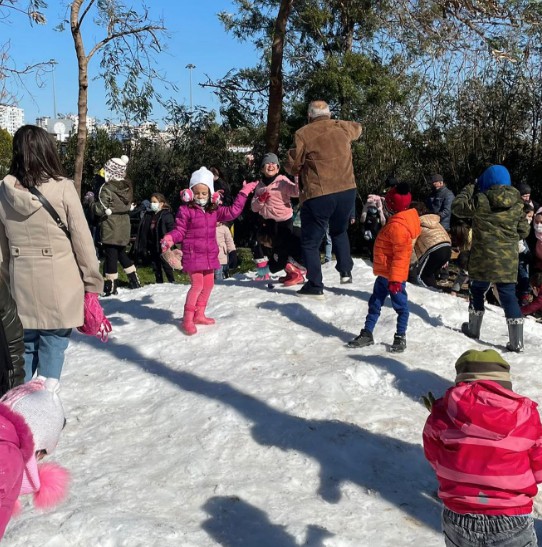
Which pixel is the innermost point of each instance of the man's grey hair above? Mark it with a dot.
(318, 108)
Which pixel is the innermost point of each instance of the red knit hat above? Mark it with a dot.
(398, 198)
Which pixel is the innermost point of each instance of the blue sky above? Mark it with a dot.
(196, 36)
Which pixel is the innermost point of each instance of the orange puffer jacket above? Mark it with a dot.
(393, 245)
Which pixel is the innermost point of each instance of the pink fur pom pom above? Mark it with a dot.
(16, 509)
(54, 481)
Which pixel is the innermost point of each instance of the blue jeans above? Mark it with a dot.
(333, 210)
(507, 295)
(399, 302)
(488, 530)
(44, 352)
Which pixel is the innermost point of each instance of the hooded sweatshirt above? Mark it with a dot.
(485, 444)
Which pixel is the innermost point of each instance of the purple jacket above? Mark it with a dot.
(195, 230)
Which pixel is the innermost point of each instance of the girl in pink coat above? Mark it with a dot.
(195, 230)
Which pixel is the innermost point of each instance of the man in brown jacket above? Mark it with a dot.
(322, 157)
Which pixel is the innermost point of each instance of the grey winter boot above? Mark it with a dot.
(399, 343)
(473, 327)
(515, 334)
(365, 338)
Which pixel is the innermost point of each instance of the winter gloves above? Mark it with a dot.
(96, 323)
(394, 287)
(248, 187)
(166, 243)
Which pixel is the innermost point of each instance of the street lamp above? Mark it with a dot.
(190, 67)
(53, 63)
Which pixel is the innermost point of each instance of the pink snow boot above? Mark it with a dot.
(187, 325)
(201, 319)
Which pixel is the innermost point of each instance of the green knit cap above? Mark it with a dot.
(483, 365)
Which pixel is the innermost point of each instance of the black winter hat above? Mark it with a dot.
(524, 188)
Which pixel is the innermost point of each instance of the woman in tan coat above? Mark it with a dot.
(48, 272)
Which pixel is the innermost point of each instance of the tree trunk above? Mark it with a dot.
(274, 111)
(82, 99)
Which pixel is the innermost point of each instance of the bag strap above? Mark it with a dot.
(51, 210)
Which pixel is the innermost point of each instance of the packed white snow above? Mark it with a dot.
(263, 430)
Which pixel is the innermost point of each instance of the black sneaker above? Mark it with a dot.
(399, 343)
(308, 290)
(364, 339)
(346, 277)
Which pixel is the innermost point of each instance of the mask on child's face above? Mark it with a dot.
(202, 202)
(155, 206)
(538, 228)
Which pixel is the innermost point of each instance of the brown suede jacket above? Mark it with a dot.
(322, 156)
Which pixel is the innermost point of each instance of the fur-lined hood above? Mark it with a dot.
(13, 429)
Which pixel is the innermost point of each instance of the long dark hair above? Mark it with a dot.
(35, 157)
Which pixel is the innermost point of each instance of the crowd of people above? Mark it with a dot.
(51, 280)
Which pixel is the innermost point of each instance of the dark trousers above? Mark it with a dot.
(317, 214)
(157, 265)
(399, 303)
(277, 240)
(507, 295)
(113, 255)
(431, 263)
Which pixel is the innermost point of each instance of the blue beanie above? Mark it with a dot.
(496, 174)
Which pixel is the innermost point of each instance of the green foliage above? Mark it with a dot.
(5, 151)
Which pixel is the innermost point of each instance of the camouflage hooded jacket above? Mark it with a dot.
(498, 223)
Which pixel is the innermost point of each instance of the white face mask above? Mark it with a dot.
(155, 206)
(538, 228)
(132, 207)
(202, 202)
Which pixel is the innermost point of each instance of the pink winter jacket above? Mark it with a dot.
(278, 207)
(16, 448)
(195, 230)
(485, 444)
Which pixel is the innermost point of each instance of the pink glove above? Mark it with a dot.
(96, 323)
(166, 243)
(264, 196)
(394, 287)
(248, 187)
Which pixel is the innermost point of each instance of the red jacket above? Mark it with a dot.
(393, 245)
(485, 444)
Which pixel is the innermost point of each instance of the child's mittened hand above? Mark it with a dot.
(394, 287)
(264, 196)
(166, 243)
(248, 187)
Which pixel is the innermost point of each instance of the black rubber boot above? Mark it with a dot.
(110, 287)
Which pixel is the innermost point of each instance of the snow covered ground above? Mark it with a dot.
(263, 430)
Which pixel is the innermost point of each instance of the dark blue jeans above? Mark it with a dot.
(317, 214)
(507, 295)
(490, 530)
(399, 302)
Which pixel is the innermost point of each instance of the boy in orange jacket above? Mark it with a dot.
(391, 261)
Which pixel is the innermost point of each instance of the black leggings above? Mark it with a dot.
(280, 240)
(432, 263)
(113, 255)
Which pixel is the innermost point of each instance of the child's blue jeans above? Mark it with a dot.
(489, 530)
(399, 302)
(44, 352)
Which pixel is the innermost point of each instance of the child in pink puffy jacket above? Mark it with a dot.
(31, 420)
(195, 230)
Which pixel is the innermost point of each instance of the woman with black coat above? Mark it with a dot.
(154, 225)
(11, 342)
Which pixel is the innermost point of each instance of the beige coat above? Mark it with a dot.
(48, 274)
(322, 156)
(433, 234)
(225, 243)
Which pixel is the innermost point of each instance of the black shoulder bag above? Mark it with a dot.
(51, 210)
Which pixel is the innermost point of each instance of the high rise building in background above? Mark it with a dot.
(64, 125)
(11, 117)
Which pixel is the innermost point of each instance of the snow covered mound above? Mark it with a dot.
(263, 430)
